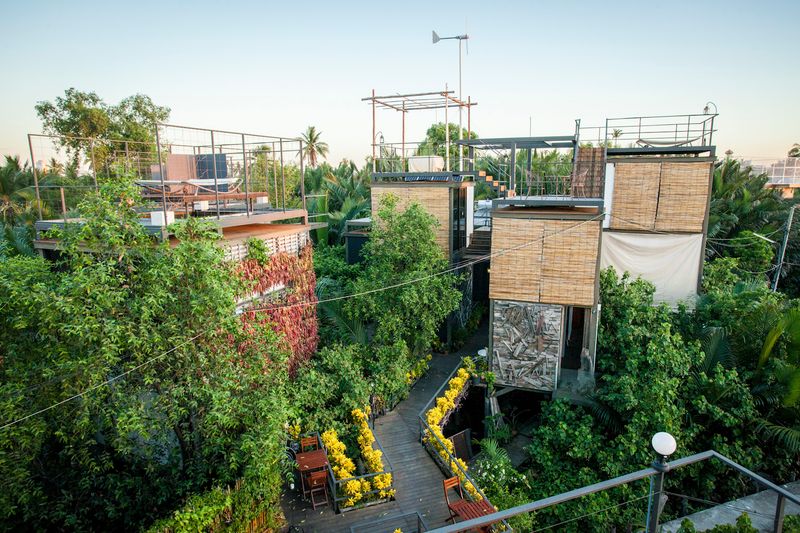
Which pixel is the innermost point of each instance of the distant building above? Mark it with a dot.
(783, 174)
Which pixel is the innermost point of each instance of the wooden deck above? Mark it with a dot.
(417, 479)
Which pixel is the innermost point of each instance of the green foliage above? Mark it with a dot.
(435, 141)
(84, 115)
(329, 262)
(740, 201)
(742, 525)
(755, 254)
(403, 260)
(188, 412)
(257, 249)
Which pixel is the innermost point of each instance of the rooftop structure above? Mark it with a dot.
(414, 160)
(229, 178)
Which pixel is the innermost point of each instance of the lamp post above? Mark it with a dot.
(664, 445)
(378, 135)
(706, 109)
(461, 39)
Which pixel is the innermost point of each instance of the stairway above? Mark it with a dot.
(480, 245)
(496, 186)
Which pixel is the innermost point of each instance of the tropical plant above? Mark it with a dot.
(314, 146)
(740, 201)
(405, 289)
(17, 195)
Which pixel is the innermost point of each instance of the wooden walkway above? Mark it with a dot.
(417, 479)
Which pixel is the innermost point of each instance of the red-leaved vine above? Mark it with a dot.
(298, 324)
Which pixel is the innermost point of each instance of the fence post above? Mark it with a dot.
(654, 506)
(780, 506)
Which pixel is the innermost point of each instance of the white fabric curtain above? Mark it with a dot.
(670, 262)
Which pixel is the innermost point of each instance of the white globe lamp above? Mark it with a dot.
(664, 444)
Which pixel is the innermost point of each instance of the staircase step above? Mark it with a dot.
(488, 178)
(481, 173)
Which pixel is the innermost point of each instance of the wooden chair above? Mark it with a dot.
(308, 444)
(456, 505)
(318, 484)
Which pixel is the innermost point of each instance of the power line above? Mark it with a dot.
(298, 304)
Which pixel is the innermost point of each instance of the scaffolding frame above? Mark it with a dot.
(423, 101)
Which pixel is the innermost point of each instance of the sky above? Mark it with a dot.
(276, 67)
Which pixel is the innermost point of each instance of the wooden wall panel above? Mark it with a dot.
(526, 344)
(435, 200)
(683, 197)
(635, 197)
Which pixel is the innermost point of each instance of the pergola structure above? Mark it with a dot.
(424, 101)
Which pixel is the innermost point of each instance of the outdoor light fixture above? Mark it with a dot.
(706, 109)
(664, 444)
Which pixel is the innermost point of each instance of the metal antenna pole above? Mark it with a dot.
(782, 254)
(460, 107)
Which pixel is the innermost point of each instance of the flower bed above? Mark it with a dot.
(351, 491)
(434, 419)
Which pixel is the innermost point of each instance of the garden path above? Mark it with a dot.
(417, 479)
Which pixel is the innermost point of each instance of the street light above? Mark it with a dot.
(706, 109)
(461, 38)
(664, 445)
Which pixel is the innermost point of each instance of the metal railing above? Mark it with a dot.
(655, 472)
(188, 171)
(652, 131)
(425, 430)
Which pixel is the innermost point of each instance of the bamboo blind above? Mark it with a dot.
(683, 197)
(517, 272)
(435, 200)
(545, 261)
(589, 172)
(635, 197)
(569, 266)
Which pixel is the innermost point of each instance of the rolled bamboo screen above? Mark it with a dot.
(435, 200)
(683, 197)
(635, 199)
(569, 265)
(589, 173)
(516, 273)
(544, 261)
(667, 197)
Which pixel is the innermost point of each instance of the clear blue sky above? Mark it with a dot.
(276, 67)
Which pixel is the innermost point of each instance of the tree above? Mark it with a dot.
(740, 201)
(197, 399)
(314, 147)
(403, 260)
(80, 116)
(16, 190)
(435, 142)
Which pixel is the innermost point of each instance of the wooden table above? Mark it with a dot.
(470, 510)
(309, 462)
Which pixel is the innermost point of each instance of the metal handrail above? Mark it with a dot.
(617, 481)
(451, 458)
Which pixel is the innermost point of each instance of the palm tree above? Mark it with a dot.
(314, 146)
(740, 201)
(16, 189)
(794, 151)
(616, 135)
